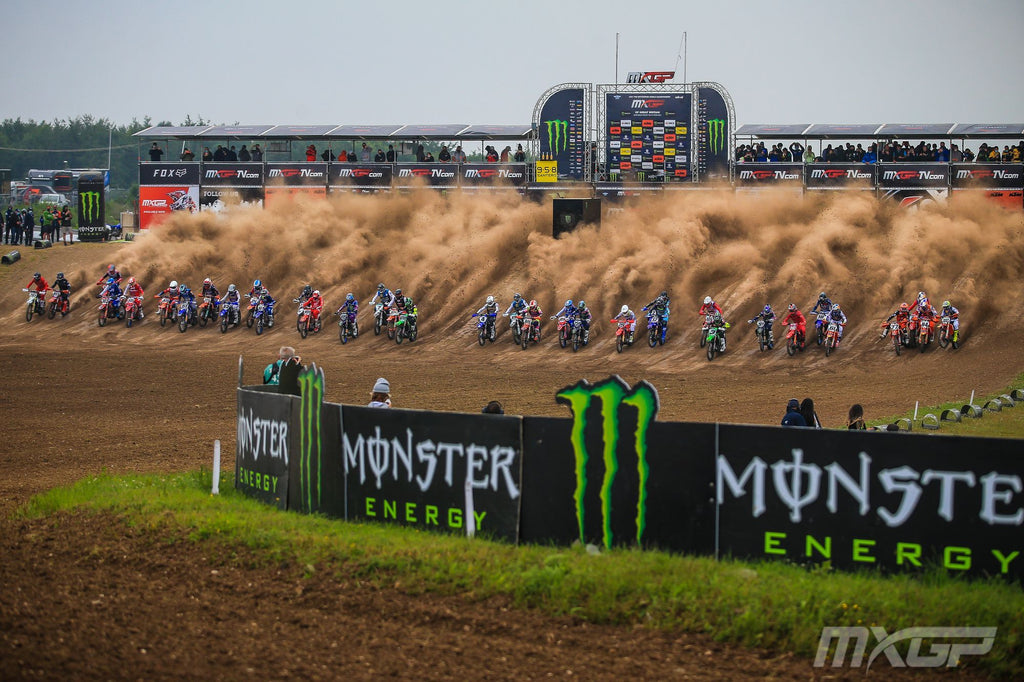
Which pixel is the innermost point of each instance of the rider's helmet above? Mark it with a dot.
(836, 307)
(717, 318)
(921, 296)
(110, 280)
(398, 293)
(36, 277)
(111, 268)
(904, 307)
(583, 304)
(568, 303)
(516, 296)
(307, 290)
(945, 304)
(381, 287)
(664, 295)
(707, 300)
(60, 275)
(625, 309)
(131, 281)
(207, 281)
(533, 303)
(822, 296)
(349, 297)
(257, 284)
(767, 309)
(316, 292)
(408, 302)
(792, 307)
(490, 299)
(174, 285)
(231, 287)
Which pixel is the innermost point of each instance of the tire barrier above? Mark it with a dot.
(951, 416)
(994, 405)
(1017, 394)
(42, 244)
(930, 422)
(904, 424)
(972, 411)
(1007, 401)
(12, 257)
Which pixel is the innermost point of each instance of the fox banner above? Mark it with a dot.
(169, 174)
(156, 204)
(91, 201)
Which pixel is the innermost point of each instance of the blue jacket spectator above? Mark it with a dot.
(793, 416)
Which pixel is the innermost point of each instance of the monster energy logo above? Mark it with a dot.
(716, 135)
(90, 206)
(614, 394)
(311, 387)
(558, 135)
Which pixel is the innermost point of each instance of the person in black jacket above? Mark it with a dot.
(793, 416)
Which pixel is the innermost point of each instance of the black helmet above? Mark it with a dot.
(60, 275)
(664, 294)
(822, 296)
(398, 293)
(307, 290)
(36, 276)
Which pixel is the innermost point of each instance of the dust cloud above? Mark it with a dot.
(450, 251)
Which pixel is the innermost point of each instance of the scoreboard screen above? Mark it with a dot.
(648, 136)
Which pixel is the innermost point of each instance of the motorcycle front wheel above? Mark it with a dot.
(897, 345)
(249, 320)
(163, 316)
(376, 326)
(182, 323)
(259, 326)
(943, 338)
(618, 343)
(712, 350)
(103, 318)
(29, 311)
(652, 338)
(224, 325)
(53, 311)
(482, 337)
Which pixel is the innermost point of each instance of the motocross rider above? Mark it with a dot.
(836, 314)
(39, 282)
(396, 300)
(767, 315)
(210, 289)
(134, 290)
(794, 315)
(489, 309)
(585, 316)
(902, 315)
(948, 310)
(62, 285)
(920, 303)
(660, 307)
(382, 293)
(315, 303)
(824, 304)
(257, 287)
(534, 312)
(719, 322)
(708, 307)
(268, 301)
(110, 273)
(232, 298)
(111, 289)
(517, 305)
(568, 310)
(629, 316)
(350, 308)
(185, 294)
(170, 293)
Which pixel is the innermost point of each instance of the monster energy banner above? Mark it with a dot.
(91, 201)
(713, 133)
(648, 136)
(988, 176)
(451, 472)
(360, 175)
(265, 444)
(476, 174)
(163, 174)
(315, 476)
(769, 173)
(561, 132)
(839, 175)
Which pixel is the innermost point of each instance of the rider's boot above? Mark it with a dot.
(956, 335)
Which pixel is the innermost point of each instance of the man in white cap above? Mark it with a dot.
(381, 395)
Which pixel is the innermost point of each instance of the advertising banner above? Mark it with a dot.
(264, 445)
(232, 175)
(839, 176)
(769, 174)
(492, 174)
(870, 500)
(273, 195)
(915, 197)
(988, 176)
(713, 134)
(561, 132)
(432, 174)
(433, 471)
(648, 136)
(361, 175)
(156, 203)
(217, 199)
(297, 175)
(913, 176)
(91, 201)
(1007, 198)
(168, 174)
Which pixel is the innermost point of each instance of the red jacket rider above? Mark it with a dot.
(111, 272)
(709, 307)
(40, 284)
(794, 315)
(315, 302)
(133, 289)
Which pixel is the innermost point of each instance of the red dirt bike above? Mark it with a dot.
(306, 322)
(794, 340)
(893, 331)
(913, 326)
(207, 310)
(565, 325)
(531, 331)
(948, 335)
(516, 324)
(167, 309)
(926, 332)
(57, 304)
(831, 338)
(132, 310)
(623, 337)
(391, 321)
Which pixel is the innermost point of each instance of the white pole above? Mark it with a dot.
(470, 514)
(110, 138)
(916, 403)
(216, 468)
(684, 57)
(616, 58)
(971, 401)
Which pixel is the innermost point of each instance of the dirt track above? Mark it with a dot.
(150, 399)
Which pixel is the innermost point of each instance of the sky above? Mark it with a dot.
(483, 62)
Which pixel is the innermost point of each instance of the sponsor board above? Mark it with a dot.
(560, 132)
(431, 174)
(273, 195)
(839, 175)
(297, 174)
(472, 174)
(361, 175)
(232, 175)
(913, 176)
(169, 173)
(219, 199)
(1012, 199)
(156, 203)
(988, 176)
(769, 173)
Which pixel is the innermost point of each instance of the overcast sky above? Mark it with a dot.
(443, 61)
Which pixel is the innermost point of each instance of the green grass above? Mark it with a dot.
(1008, 423)
(772, 604)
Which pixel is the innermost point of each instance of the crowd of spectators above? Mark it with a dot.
(364, 154)
(890, 151)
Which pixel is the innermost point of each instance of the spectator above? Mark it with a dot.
(187, 155)
(429, 158)
(365, 154)
(207, 154)
(379, 157)
(343, 156)
(869, 156)
(419, 153)
(381, 394)
(244, 155)
(506, 154)
(493, 407)
(63, 226)
(520, 155)
(808, 413)
(444, 156)
(391, 153)
(793, 416)
(856, 420)
(311, 154)
(257, 153)
(232, 154)
(942, 154)
(492, 154)
(955, 155)
(155, 152)
(809, 155)
(459, 156)
(327, 154)
(272, 372)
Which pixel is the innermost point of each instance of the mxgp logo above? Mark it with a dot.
(233, 173)
(838, 173)
(912, 175)
(425, 173)
(647, 103)
(154, 203)
(295, 173)
(938, 654)
(359, 173)
(486, 173)
(767, 175)
(985, 174)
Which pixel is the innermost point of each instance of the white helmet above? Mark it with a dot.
(625, 309)
(231, 287)
(174, 284)
(707, 300)
(490, 299)
(316, 292)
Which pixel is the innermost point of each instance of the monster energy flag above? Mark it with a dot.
(560, 132)
(91, 200)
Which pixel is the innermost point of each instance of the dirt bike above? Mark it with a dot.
(913, 328)
(715, 341)
(704, 330)
(516, 324)
(623, 337)
(306, 321)
(259, 315)
(485, 328)
(580, 336)
(110, 308)
(655, 329)
(207, 310)
(379, 318)
(405, 326)
(392, 318)
(347, 326)
(229, 315)
(821, 326)
(57, 304)
(35, 304)
(531, 331)
(765, 338)
(947, 335)
(794, 340)
(564, 330)
(831, 338)
(132, 310)
(186, 314)
(893, 331)
(167, 310)
(925, 333)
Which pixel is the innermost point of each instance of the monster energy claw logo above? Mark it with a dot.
(90, 207)
(311, 386)
(716, 135)
(558, 134)
(615, 395)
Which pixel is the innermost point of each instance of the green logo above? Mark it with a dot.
(716, 135)
(311, 387)
(558, 135)
(615, 397)
(90, 207)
